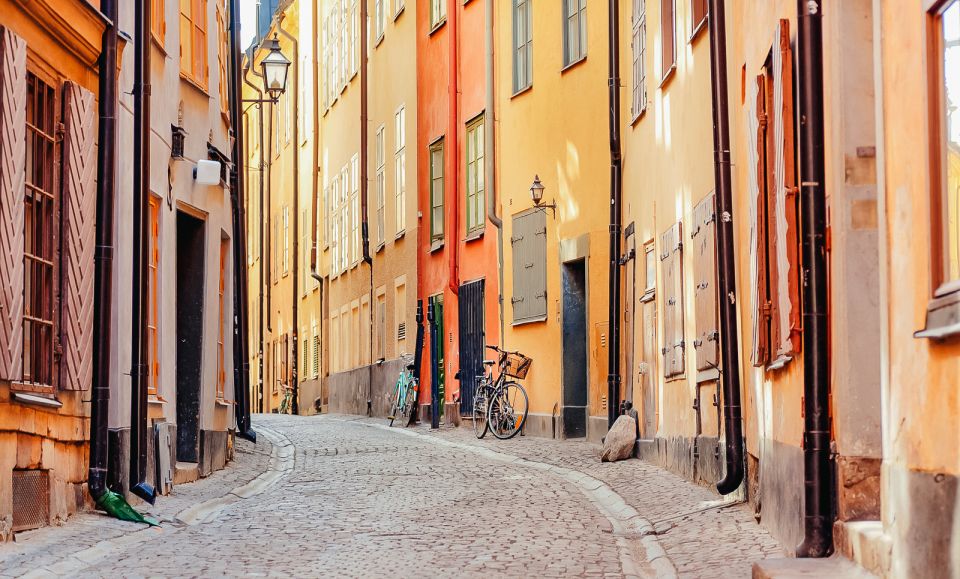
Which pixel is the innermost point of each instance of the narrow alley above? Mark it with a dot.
(350, 497)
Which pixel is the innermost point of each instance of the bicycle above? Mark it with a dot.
(405, 393)
(286, 404)
(498, 405)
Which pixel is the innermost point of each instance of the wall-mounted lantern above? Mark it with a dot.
(536, 193)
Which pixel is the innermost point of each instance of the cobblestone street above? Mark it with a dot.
(341, 496)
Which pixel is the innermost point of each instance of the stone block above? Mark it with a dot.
(619, 442)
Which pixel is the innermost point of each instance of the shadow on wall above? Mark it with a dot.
(349, 390)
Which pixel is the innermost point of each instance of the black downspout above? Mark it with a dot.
(364, 183)
(727, 268)
(616, 175)
(103, 304)
(295, 369)
(818, 519)
(241, 337)
(434, 379)
(141, 189)
(260, 228)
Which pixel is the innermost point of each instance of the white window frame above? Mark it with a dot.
(381, 159)
(522, 45)
(400, 169)
(574, 31)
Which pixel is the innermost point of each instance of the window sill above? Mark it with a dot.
(436, 245)
(474, 235)
(158, 44)
(779, 364)
(48, 401)
(378, 41)
(943, 317)
(196, 85)
(701, 26)
(225, 402)
(675, 378)
(400, 235)
(399, 12)
(523, 90)
(380, 247)
(527, 321)
(437, 26)
(648, 296)
(709, 375)
(573, 64)
(156, 400)
(668, 77)
(636, 118)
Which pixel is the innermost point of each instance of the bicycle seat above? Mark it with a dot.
(411, 367)
(489, 363)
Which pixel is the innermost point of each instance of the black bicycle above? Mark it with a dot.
(500, 406)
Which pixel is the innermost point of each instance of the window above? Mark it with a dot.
(223, 52)
(316, 351)
(400, 170)
(381, 185)
(438, 13)
(522, 45)
(668, 41)
(475, 186)
(529, 243)
(153, 283)
(193, 41)
(703, 237)
(381, 322)
(345, 206)
(945, 129)
(274, 266)
(436, 192)
(574, 31)
(221, 360)
(286, 240)
(671, 263)
(650, 271)
(355, 210)
(287, 117)
(639, 57)
(158, 21)
(698, 16)
(40, 221)
(334, 219)
(398, 6)
(774, 260)
(379, 19)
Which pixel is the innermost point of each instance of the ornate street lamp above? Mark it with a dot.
(536, 193)
(275, 66)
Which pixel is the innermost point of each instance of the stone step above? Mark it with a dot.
(864, 543)
(833, 567)
(186, 472)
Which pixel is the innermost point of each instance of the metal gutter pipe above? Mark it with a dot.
(259, 226)
(138, 310)
(315, 212)
(295, 369)
(818, 517)
(241, 337)
(490, 152)
(726, 259)
(453, 135)
(103, 260)
(616, 191)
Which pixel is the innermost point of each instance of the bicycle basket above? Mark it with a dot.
(517, 366)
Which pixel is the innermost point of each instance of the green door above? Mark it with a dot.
(439, 369)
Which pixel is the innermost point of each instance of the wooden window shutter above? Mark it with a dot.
(79, 236)
(787, 337)
(671, 258)
(756, 121)
(704, 237)
(13, 126)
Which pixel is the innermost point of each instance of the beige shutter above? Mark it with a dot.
(787, 339)
(13, 99)
(671, 254)
(79, 236)
(703, 236)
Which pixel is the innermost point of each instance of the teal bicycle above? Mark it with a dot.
(405, 394)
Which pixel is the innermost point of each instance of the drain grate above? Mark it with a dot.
(31, 499)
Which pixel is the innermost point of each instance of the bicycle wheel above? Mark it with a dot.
(397, 400)
(480, 424)
(507, 410)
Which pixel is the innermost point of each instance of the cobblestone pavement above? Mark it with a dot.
(341, 496)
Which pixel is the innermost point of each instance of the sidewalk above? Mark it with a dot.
(700, 537)
(87, 537)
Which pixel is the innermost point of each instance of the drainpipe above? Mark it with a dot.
(103, 304)
(295, 379)
(490, 153)
(727, 269)
(616, 174)
(141, 191)
(241, 337)
(364, 181)
(259, 227)
(453, 134)
(818, 518)
(315, 213)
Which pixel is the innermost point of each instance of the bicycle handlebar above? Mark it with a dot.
(498, 349)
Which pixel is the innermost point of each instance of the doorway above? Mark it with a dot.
(471, 341)
(647, 369)
(438, 389)
(629, 318)
(574, 412)
(190, 278)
